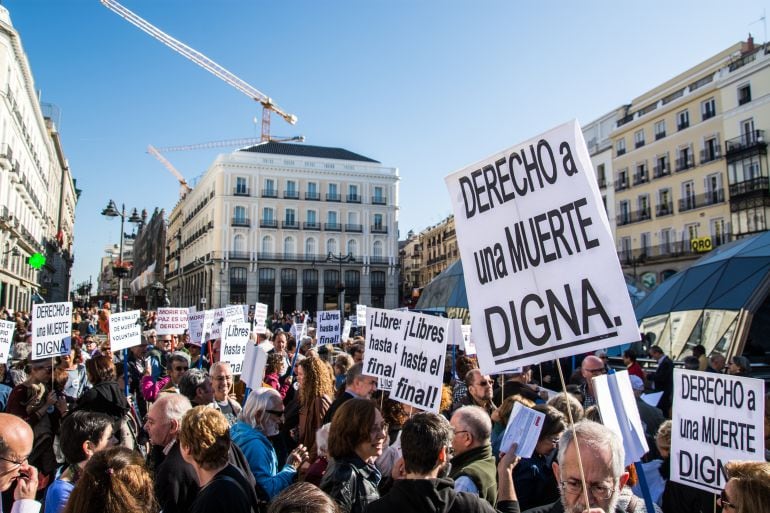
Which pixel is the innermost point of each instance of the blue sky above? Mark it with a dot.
(424, 86)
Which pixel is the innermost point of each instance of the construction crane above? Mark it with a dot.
(207, 64)
(183, 187)
(228, 143)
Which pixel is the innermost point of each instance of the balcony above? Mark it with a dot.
(684, 163)
(638, 144)
(269, 193)
(354, 228)
(291, 194)
(682, 126)
(602, 182)
(660, 135)
(268, 223)
(333, 227)
(353, 198)
(640, 178)
(378, 260)
(378, 200)
(702, 200)
(760, 183)
(754, 140)
(313, 196)
(379, 228)
(678, 249)
(664, 209)
(290, 225)
(708, 114)
(311, 225)
(241, 191)
(626, 119)
(636, 216)
(331, 196)
(621, 184)
(240, 221)
(620, 151)
(710, 155)
(660, 171)
(238, 255)
(745, 97)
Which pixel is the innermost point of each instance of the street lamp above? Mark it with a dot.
(111, 210)
(340, 259)
(221, 278)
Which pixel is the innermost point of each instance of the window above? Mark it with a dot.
(240, 186)
(644, 206)
(239, 243)
(691, 231)
(331, 217)
(666, 240)
(290, 216)
(288, 247)
(744, 94)
(352, 217)
(353, 193)
(333, 194)
(620, 147)
(660, 129)
(352, 247)
(311, 217)
(661, 166)
(333, 189)
(267, 214)
(312, 192)
(664, 202)
(625, 248)
(688, 196)
(639, 138)
(600, 175)
(267, 244)
(684, 160)
(713, 186)
(269, 185)
(624, 213)
(240, 215)
(310, 247)
(683, 120)
(644, 243)
(331, 246)
(291, 190)
(312, 187)
(641, 173)
(710, 150)
(622, 182)
(378, 221)
(708, 109)
(377, 249)
(378, 198)
(718, 232)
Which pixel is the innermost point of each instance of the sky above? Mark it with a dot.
(425, 86)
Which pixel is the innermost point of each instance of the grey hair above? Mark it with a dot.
(259, 400)
(173, 406)
(354, 372)
(476, 420)
(179, 356)
(191, 380)
(595, 437)
(218, 365)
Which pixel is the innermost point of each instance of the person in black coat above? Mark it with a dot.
(663, 379)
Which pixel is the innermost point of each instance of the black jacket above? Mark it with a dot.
(351, 483)
(434, 496)
(176, 483)
(105, 397)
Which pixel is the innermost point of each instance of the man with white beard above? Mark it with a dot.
(602, 456)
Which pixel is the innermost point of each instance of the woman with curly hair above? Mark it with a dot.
(114, 480)
(316, 390)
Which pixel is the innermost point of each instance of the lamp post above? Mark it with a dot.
(340, 259)
(221, 277)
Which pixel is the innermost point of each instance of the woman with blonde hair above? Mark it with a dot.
(114, 480)
(748, 487)
(316, 391)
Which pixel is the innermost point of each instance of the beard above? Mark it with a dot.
(578, 508)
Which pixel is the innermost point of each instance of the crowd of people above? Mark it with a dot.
(318, 435)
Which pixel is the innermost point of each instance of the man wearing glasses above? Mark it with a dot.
(473, 464)
(480, 391)
(591, 367)
(15, 447)
(602, 455)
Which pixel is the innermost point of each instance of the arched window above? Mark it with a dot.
(310, 247)
(289, 247)
(239, 244)
(352, 247)
(267, 244)
(377, 249)
(331, 246)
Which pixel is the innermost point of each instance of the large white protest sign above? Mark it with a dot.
(360, 315)
(383, 334)
(254, 364)
(541, 272)
(171, 321)
(235, 336)
(125, 332)
(617, 405)
(51, 329)
(328, 331)
(469, 346)
(421, 355)
(260, 318)
(195, 327)
(298, 330)
(7, 329)
(716, 418)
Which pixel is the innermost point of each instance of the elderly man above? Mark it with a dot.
(15, 447)
(356, 385)
(176, 483)
(480, 390)
(196, 386)
(602, 454)
(425, 442)
(717, 363)
(473, 464)
(591, 367)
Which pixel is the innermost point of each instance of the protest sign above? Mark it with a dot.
(328, 331)
(51, 329)
(237, 313)
(455, 333)
(360, 316)
(346, 330)
(617, 405)
(524, 427)
(383, 335)
(716, 418)
(7, 329)
(195, 327)
(235, 336)
(254, 363)
(541, 271)
(298, 330)
(124, 330)
(468, 345)
(420, 358)
(260, 318)
(171, 321)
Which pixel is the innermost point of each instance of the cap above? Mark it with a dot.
(636, 382)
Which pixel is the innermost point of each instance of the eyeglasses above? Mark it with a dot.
(16, 463)
(45, 368)
(379, 428)
(575, 487)
(458, 432)
(277, 413)
(596, 372)
(484, 383)
(181, 369)
(724, 503)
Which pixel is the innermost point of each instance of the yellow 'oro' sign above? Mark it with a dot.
(701, 244)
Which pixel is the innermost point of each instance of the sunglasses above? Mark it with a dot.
(724, 503)
(181, 369)
(485, 382)
(277, 413)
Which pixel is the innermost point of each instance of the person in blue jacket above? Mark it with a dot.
(260, 418)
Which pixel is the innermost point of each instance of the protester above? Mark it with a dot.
(279, 348)
(104, 396)
(273, 374)
(699, 352)
(500, 418)
(425, 489)
(663, 379)
(204, 441)
(356, 437)
(748, 487)
(518, 383)
(739, 366)
(303, 498)
(83, 434)
(222, 377)
(463, 365)
(716, 363)
(16, 439)
(632, 366)
(591, 367)
(357, 385)
(342, 363)
(480, 389)
(691, 363)
(114, 480)
(650, 416)
(568, 405)
(178, 364)
(196, 386)
(316, 390)
(473, 464)
(259, 419)
(318, 468)
(357, 352)
(77, 380)
(176, 483)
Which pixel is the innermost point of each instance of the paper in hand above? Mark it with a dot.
(524, 427)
